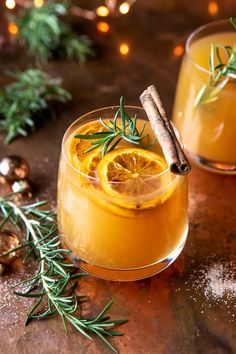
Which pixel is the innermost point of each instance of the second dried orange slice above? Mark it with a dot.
(79, 146)
(135, 178)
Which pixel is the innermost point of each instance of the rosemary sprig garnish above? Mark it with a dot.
(233, 21)
(44, 33)
(27, 96)
(55, 278)
(221, 72)
(112, 134)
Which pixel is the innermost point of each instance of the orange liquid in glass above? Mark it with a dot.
(111, 241)
(207, 130)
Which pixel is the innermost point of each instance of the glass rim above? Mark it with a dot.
(224, 21)
(96, 179)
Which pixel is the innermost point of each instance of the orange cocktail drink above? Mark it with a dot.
(123, 215)
(208, 127)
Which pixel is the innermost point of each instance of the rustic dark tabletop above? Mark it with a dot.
(182, 310)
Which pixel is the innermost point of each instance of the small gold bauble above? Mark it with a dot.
(8, 241)
(22, 188)
(14, 168)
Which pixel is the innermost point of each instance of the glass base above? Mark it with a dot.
(132, 273)
(213, 166)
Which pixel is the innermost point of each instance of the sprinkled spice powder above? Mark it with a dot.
(220, 281)
(211, 286)
(216, 281)
(13, 308)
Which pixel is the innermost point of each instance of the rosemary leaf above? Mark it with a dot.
(114, 144)
(92, 136)
(122, 113)
(105, 125)
(44, 32)
(115, 120)
(106, 145)
(91, 148)
(212, 58)
(130, 140)
(29, 295)
(233, 21)
(113, 134)
(23, 100)
(55, 279)
(221, 72)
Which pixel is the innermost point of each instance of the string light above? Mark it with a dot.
(12, 28)
(110, 8)
(178, 50)
(102, 11)
(124, 48)
(38, 3)
(124, 8)
(10, 4)
(103, 27)
(213, 8)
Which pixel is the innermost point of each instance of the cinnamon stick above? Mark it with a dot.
(164, 131)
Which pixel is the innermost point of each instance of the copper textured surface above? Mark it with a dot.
(170, 312)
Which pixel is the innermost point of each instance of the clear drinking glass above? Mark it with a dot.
(208, 130)
(107, 237)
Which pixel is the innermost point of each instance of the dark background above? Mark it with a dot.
(166, 313)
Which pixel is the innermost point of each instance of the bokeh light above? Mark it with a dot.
(10, 4)
(124, 48)
(213, 8)
(12, 28)
(38, 3)
(178, 50)
(103, 27)
(102, 11)
(124, 8)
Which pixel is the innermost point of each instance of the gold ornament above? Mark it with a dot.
(8, 241)
(22, 188)
(14, 168)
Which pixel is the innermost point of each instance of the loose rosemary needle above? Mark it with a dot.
(55, 279)
(112, 134)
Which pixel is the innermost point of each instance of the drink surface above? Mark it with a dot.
(200, 50)
(207, 130)
(125, 225)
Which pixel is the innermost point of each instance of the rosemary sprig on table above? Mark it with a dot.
(221, 72)
(45, 34)
(55, 278)
(21, 100)
(112, 134)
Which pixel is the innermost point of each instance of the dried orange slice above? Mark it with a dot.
(78, 146)
(92, 185)
(129, 176)
(90, 163)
